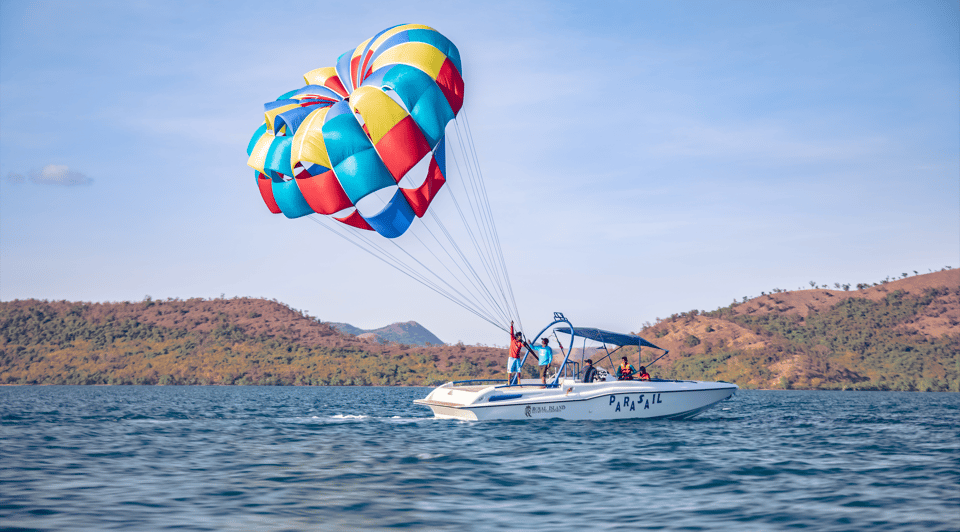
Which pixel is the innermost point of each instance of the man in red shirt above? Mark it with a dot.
(513, 361)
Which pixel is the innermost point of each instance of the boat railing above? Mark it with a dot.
(570, 370)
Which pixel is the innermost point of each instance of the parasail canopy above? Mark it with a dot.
(362, 149)
(358, 128)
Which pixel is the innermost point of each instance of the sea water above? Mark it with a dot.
(366, 458)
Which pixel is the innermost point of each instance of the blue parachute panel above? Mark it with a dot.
(278, 156)
(363, 173)
(291, 119)
(289, 199)
(394, 219)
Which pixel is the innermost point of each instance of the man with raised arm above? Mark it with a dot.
(513, 361)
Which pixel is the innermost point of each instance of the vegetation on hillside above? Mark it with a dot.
(856, 344)
(43, 344)
(900, 335)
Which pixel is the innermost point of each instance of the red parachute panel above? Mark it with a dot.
(333, 83)
(402, 147)
(419, 198)
(354, 219)
(323, 192)
(266, 192)
(451, 84)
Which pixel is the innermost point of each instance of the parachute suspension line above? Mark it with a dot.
(389, 259)
(485, 260)
(479, 250)
(468, 175)
(479, 204)
(490, 219)
(492, 300)
(377, 251)
(478, 291)
(397, 264)
(476, 246)
(483, 207)
(504, 313)
(483, 188)
(464, 302)
(484, 290)
(427, 268)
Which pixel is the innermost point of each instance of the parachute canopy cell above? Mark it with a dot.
(358, 128)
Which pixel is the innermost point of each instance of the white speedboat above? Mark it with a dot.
(566, 396)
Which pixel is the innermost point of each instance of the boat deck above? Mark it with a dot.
(471, 388)
(479, 387)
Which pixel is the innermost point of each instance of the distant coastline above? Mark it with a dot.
(895, 335)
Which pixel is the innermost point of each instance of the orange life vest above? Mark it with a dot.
(625, 373)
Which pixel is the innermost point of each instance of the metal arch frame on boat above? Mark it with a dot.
(558, 318)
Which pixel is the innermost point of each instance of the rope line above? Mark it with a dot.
(402, 269)
(478, 269)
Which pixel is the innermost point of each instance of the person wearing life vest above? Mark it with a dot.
(625, 372)
(644, 376)
(513, 361)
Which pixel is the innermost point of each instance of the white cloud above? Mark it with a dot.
(57, 174)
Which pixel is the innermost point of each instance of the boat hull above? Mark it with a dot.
(578, 401)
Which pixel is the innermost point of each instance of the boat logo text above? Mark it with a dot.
(530, 411)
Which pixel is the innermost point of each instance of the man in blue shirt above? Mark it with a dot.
(545, 355)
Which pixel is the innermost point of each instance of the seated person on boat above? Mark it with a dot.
(626, 371)
(589, 372)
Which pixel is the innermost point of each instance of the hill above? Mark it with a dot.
(896, 335)
(218, 341)
(409, 332)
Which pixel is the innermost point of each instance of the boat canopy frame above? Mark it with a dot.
(587, 333)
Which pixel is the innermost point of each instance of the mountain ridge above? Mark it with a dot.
(897, 335)
(406, 332)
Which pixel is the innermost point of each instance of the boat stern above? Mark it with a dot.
(453, 399)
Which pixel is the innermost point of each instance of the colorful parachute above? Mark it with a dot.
(358, 128)
(363, 144)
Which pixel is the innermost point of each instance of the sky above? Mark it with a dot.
(641, 158)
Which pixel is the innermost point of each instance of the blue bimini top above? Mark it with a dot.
(607, 337)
